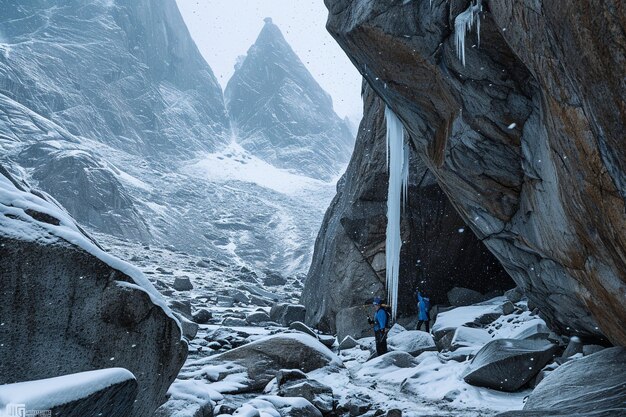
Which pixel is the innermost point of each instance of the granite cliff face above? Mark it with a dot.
(281, 114)
(348, 267)
(526, 138)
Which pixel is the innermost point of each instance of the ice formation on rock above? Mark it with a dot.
(463, 23)
(398, 164)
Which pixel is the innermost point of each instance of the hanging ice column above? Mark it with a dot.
(464, 23)
(398, 165)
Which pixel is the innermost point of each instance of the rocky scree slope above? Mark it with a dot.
(349, 255)
(105, 79)
(281, 114)
(109, 107)
(526, 138)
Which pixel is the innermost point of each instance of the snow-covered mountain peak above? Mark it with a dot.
(281, 114)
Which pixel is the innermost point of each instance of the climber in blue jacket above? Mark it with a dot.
(380, 326)
(423, 310)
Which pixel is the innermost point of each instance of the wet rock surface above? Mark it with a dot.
(524, 137)
(349, 254)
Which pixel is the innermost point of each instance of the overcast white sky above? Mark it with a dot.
(225, 29)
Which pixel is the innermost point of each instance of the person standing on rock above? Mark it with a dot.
(423, 309)
(380, 326)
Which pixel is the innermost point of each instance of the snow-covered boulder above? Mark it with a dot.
(285, 314)
(67, 306)
(348, 342)
(469, 337)
(508, 364)
(591, 386)
(263, 358)
(449, 321)
(202, 316)
(327, 340)
(318, 394)
(270, 405)
(107, 392)
(413, 342)
(257, 317)
(389, 362)
(189, 398)
(234, 322)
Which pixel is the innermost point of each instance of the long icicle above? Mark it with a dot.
(398, 161)
(463, 23)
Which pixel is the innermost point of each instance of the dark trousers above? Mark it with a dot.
(427, 322)
(381, 342)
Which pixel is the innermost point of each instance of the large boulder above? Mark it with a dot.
(414, 342)
(285, 313)
(349, 255)
(592, 386)
(448, 321)
(106, 392)
(508, 364)
(538, 178)
(263, 358)
(68, 307)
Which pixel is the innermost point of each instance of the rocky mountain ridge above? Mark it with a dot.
(280, 112)
(109, 107)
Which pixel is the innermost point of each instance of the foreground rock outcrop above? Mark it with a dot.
(69, 307)
(508, 364)
(348, 267)
(525, 137)
(591, 386)
(107, 392)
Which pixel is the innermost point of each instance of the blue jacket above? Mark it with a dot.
(380, 319)
(423, 305)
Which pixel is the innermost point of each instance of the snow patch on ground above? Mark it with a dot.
(236, 164)
(45, 394)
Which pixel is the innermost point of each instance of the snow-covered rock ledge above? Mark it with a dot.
(67, 306)
(106, 392)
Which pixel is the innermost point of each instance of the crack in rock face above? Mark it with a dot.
(526, 138)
